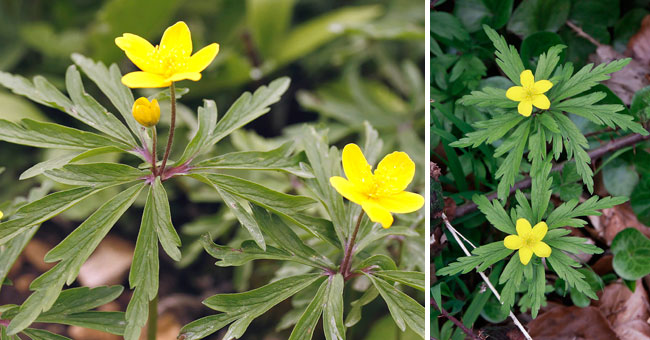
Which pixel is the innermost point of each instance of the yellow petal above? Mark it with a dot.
(395, 172)
(523, 227)
(513, 242)
(527, 79)
(378, 214)
(516, 93)
(541, 86)
(403, 202)
(539, 231)
(525, 108)
(525, 254)
(348, 190)
(355, 166)
(542, 249)
(195, 76)
(541, 101)
(144, 79)
(178, 39)
(137, 49)
(1, 215)
(201, 59)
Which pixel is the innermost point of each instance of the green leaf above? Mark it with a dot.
(495, 214)
(306, 325)
(205, 326)
(77, 300)
(96, 175)
(73, 252)
(482, 257)
(244, 217)
(474, 13)
(447, 26)
(249, 305)
(542, 51)
(54, 136)
(248, 108)
(10, 251)
(308, 36)
(354, 315)
(39, 334)
(564, 266)
(631, 251)
(268, 31)
(411, 279)
(59, 161)
(249, 251)
(379, 233)
(539, 15)
(89, 111)
(279, 159)
(201, 140)
(640, 200)
(403, 309)
(163, 220)
(42, 210)
(566, 214)
(143, 277)
(333, 326)
(109, 81)
(274, 228)
(508, 58)
(586, 78)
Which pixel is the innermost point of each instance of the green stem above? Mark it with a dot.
(154, 157)
(172, 127)
(152, 324)
(347, 258)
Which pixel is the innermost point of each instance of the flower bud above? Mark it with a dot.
(146, 113)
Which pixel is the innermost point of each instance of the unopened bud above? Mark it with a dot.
(146, 113)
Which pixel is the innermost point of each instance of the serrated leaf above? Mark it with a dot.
(73, 252)
(249, 305)
(244, 217)
(495, 214)
(404, 310)
(200, 142)
(482, 257)
(248, 108)
(109, 81)
(248, 251)
(508, 58)
(162, 220)
(54, 136)
(333, 326)
(96, 175)
(279, 159)
(411, 279)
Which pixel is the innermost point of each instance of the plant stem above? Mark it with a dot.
(455, 233)
(152, 324)
(154, 157)
(347, 258)
(172, 127)
(594, 154)
(455, 321)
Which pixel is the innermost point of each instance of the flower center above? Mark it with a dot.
(169, 60)
(529, 94)
(529, 240)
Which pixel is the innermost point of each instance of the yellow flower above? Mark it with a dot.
(1, 215)
(145, 112)
(530, 93)
(380, 193)
(170, 61)
(528, 240)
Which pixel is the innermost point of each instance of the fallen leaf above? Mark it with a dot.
(626, 311)
(571, 323)
(638, 47)
(615, 219)
(109, 264)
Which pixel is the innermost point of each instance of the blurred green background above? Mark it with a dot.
(349, 61)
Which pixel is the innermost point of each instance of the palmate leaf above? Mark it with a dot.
(404, 310)
(245, 307)
(567, 213)
(489, 130)
(588, 77)
(508, 58)
(482, 257)
(278, 159)
(72, 252)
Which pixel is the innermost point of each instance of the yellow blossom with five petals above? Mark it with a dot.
(381, 192)
(146, 113)
(530, 93)
(168, 62)
(528, 240)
